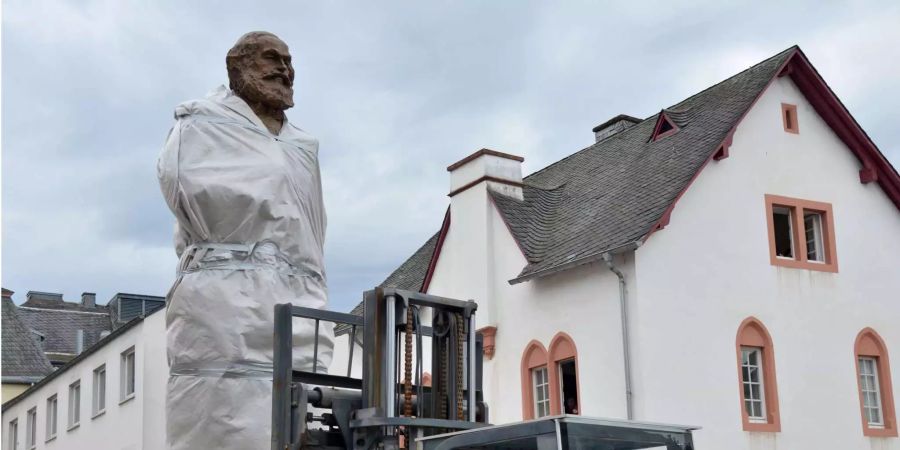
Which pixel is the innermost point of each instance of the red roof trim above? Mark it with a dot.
(875, 166)
(663, 118)
(445, 227)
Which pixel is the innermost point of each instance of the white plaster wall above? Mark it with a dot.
(709, 269)
(138, 423)
(341, 356)
(478, 258)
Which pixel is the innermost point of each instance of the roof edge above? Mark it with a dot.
(436, 254)
(89, 351)
(726, 141)
(594, 257)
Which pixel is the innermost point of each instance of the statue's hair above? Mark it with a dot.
(245, 45)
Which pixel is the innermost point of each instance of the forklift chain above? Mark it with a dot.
(460, 335)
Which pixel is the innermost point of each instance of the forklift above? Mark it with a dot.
(393, 407)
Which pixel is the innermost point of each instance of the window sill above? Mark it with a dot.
(127, 398)
(791, 263)
(763, 427)
(50, 439)
(879, 431)
(73, 426)
(98, 414)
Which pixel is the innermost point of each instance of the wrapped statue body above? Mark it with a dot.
(245, 188)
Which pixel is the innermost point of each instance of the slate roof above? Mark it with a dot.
(611, 194)
(23, 358)
(59, 322)
(410, 276)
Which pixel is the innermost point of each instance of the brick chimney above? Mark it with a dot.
(613, 126)
(89, 299)
(7, 293)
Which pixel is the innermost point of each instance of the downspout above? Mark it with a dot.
(626, 354)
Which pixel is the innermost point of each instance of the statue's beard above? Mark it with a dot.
(270, 91)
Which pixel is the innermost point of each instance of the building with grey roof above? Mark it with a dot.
(24, 361)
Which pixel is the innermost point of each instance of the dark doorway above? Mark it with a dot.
(568, 387)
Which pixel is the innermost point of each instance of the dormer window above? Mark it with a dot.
(664, 127)
(789, 117)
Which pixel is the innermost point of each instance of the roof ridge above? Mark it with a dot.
(631, 128)
(64, 310)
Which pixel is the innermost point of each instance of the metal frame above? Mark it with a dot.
(370, 415)
(566, 432)
(367, 415)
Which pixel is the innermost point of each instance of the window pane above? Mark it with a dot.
(814, 244)
(784, 239)
(30, 433)
(752, 383)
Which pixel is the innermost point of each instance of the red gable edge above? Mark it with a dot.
(445, 226)
(817, 92)
(875, 166)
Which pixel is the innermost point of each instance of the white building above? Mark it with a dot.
(111, 396)
(753, 224)
(748, 235)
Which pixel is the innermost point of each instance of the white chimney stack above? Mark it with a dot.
(501, 172)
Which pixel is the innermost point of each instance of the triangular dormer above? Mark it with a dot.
(664, 127)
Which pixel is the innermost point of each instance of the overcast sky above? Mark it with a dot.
(395, 91)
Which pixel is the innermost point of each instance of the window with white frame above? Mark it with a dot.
(815, 247)
(752, 383)
(871, 390)
(51, 417)
(13, 434)
(31, 428)
(126, 389)
(541, 385)
(74, 404)
(98, 402)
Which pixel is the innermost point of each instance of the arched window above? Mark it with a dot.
(873, 375)
(563, 359)
(535, 382)
(756, 376)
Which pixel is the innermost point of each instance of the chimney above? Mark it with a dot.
(79, 342)
(500, 172)
(7, 293)
(89, 299)
(613, 126)
(474, 227)
(44, 296)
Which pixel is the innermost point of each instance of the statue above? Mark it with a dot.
(244, 186)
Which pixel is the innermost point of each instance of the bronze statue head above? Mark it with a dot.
(260, 72)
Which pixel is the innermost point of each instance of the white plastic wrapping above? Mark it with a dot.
(250, 234)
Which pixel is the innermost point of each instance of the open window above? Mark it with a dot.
(801, 234)
(564, 358)
(756, 374)
(876, 397)
(568, 387)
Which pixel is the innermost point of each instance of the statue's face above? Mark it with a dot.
(266, 75)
